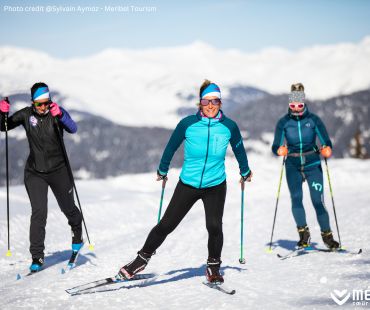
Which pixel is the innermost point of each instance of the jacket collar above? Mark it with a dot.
(218, 118)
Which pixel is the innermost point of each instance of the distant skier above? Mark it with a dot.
(206, 135)
(295, 137)
(45, 166)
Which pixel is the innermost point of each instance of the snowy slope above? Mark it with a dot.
(147, 83)
(120, 212)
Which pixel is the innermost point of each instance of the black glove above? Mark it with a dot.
(161, 176)
(247, 176)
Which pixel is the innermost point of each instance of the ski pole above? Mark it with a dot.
(8, 253)
(161, 202)
(332, 200)
(277, 202)
(91, 247)
(241, 259)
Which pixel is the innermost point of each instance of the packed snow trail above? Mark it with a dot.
(120, 211)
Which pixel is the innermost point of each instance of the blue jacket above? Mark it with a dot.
(206, 142)
(300, 134)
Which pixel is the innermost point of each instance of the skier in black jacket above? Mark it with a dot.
(45, 166)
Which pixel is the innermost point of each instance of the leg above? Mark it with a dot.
(214, 202)
(62, 188)
(316, 186)
(181, 202)
(294, 180)
(37, 190)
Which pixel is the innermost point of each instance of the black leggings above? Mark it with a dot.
(37, 188)
(181, 202)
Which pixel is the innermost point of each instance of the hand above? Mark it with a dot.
(246, 178)
(282, 151)
(55, 110)
(161, 177)
(4, 106)
(326, 151)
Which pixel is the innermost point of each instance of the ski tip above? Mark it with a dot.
(8, 253)
(359, 251)
(19, 276)
(91, 247)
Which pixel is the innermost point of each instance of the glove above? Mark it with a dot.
(326, 151)
(4, 106)
(282, 151)
(55, 110)
(246, 178)
(161, 176)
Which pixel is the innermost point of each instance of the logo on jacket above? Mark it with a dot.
(317, 186)
(33, 121)
(308, 124)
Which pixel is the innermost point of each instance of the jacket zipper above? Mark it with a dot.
(205, 162)
(300, 141)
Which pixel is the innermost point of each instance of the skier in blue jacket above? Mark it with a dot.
(206, 135)
(295, 138)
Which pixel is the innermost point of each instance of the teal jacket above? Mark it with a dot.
(206, 142)
(300, 134)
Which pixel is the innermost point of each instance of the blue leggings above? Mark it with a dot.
(314, 178)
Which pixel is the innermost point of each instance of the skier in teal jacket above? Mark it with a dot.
(207, 136)
(295, 137)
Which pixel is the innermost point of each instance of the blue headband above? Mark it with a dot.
(211, 90)
(41, 93)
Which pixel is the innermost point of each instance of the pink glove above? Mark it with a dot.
(55, 110)
(4, 106)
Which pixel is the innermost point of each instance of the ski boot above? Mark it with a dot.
(327, 237)
(77, 240)
(213, 271)
(138, 264)
(304, 237)
(36, 265)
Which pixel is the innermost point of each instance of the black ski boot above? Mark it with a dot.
(138, 264)
(37, 263)
(327, 237)
(77, 235)
(213, 271)
(304, 237)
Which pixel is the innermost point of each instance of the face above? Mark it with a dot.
(42, 105)
(296, 107)
(210, 110)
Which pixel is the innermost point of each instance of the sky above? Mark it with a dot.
(90, 27)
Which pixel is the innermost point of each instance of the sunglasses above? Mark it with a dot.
(296, 105)
(205, 102)
(39, 104)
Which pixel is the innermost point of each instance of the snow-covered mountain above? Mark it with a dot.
(102, 148)
(142, 87)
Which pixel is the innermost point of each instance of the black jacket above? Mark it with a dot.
(46, 153)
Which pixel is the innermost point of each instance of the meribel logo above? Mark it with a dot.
(359, 297)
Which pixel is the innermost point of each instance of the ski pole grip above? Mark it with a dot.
(242, 185)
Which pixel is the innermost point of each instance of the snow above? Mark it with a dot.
(147, 82)
(120, 212)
